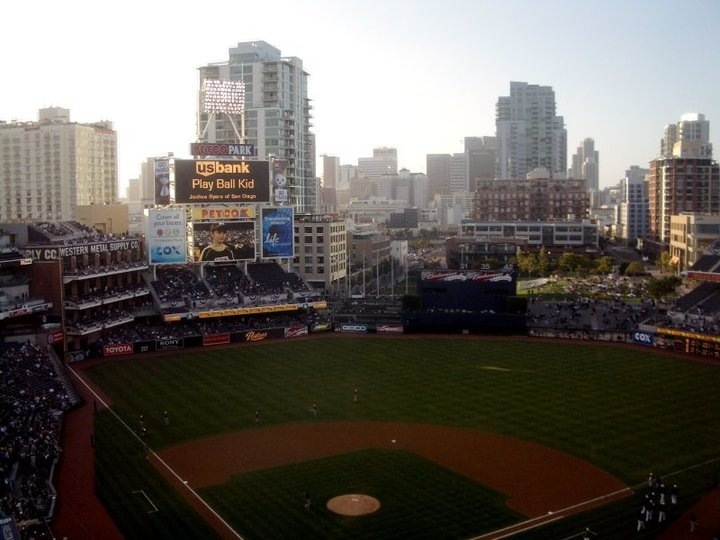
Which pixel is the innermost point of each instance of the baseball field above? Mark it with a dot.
(380, 437)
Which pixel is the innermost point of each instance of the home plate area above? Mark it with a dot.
(353, 504)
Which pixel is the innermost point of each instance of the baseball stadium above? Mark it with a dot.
(188, 383)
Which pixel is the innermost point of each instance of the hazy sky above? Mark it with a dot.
(412, 74)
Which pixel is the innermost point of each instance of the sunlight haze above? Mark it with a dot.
(415, 75)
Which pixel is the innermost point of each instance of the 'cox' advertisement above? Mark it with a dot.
(643, 338)
(166, 236)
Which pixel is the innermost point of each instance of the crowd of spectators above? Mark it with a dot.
(689, 322)
(586, 315)
(91, 270)
(34, 394)
(176, 284)
(181, 288)
(98, 319)
(107, 294)
(606, 287)
(227, 281)
(72, 232)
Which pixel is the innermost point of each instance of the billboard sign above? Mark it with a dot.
(213, 149)
(166, 236)
(224, 241)
(162, 182)
(202, 181)
(280, 187)
(643, 338)
(277, 232)
(51, 253)
(354, 328)
(222, 212)
(118, 349)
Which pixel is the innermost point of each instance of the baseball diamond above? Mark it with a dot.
(539, 483)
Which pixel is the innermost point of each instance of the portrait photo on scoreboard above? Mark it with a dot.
(223, 241)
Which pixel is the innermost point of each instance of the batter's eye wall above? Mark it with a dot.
(472, 294)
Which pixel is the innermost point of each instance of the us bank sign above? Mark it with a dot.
(201, 181)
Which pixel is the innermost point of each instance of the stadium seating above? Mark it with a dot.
(34, 392)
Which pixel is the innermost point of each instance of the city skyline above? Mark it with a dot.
(397, 74)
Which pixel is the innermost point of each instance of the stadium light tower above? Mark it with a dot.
(224, 97)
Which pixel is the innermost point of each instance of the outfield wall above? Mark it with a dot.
(210, 340)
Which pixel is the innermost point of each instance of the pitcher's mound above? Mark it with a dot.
(353, 504)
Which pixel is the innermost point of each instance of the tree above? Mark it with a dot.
(659, 288)
(527, 262)
(666, 262)
(604, 265)
(571, 262)
(635, 268)
(543, 261)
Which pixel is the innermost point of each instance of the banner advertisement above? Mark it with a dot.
(256, 335)
(162, 182)
(200, 181)
(321, 327)
(224, 241)
(389, 329)
(55, 337)
(222, 212)
(355, 328)
(277, 232)
(166, 241)
(252, 310)
(60, 252)
(118, 349)
(280, 187)
(295, 331)
(171, 343)
(216, 339)
(643, 338)
(144, 346)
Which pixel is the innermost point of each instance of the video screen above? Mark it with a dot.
(219, 242)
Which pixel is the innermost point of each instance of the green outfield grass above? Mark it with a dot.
(628, 411)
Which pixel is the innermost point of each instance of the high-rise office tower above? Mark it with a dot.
(684, 178)
(438, 173)
(347, 173)
(529, 133)
(448, 173)
(383, 162)
(632, 212)
(459, 174)
(379, 171)
(586, 164)
(276, 118)
(481, 159)
(690, 137)
(330, 180)
(49, 167)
